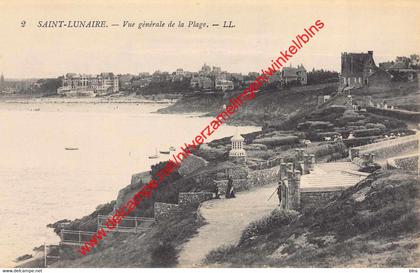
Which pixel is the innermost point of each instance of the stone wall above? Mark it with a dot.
(406, 163)
(164, 210)
(386, 152)
(387, 149)
(238, 173)
(259, 178)
(267, 164)
(193, 198)
(238, 185)
(396, 113)
(318, 198)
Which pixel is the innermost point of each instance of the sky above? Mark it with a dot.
(262, 30)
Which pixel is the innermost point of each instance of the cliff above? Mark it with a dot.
(269, 106)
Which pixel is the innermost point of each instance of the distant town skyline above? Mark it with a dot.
(262, 30)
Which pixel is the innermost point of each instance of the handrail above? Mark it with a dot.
(129, 218)
(83, 232)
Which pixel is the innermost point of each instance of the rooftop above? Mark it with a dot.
(237, 137)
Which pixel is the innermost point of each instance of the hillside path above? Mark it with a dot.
(226, 219)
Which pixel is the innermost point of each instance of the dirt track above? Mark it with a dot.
(226, 219)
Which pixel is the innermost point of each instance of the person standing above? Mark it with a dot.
(230, 193)
(279, 193)
(216, 190)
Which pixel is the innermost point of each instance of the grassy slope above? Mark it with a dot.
(402, 95)
(157, 248)
(373, 224)
(268, 105)
(160, 245)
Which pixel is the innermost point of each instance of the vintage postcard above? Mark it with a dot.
(209, 134)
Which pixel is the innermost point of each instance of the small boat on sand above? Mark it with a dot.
(165, 152)
(154, 156)
(71, 148)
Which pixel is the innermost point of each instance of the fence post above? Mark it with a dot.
(135, 221)
(80, 237)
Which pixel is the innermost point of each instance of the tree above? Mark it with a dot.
(322, 76)
(403, 59)
(414, 60)
(50, 85)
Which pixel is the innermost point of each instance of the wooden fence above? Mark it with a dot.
(128, 224)
(75, 237)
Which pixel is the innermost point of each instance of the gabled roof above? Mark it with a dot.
(381, 70)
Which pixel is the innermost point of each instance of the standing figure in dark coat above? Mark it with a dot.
(279, 193)
(216, 190)
(229, 190)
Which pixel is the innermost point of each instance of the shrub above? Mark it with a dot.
(359, 141)
(277, 141)
(265, 225)
(335, 109)
(367, 132)
(220, 254)
(164, 255)
(312, 125)
(325, 149)
(376, 125)
(371, 168)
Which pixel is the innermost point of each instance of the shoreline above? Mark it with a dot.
(127, 100)
(36, 256)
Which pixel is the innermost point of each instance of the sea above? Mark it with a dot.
(41, 182)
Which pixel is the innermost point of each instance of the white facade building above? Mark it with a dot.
(82, 84)
(223, 85)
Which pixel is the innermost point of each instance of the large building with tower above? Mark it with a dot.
(359, 70)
